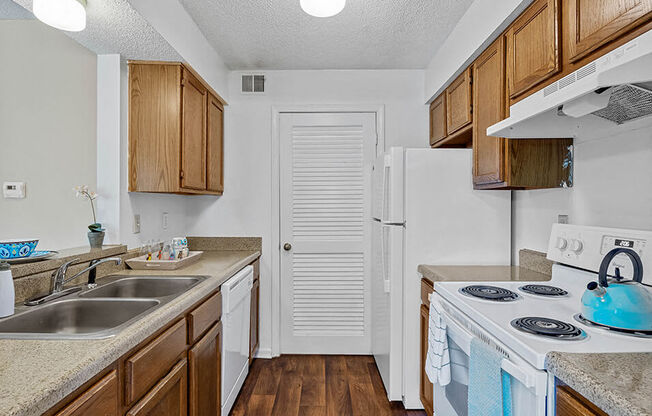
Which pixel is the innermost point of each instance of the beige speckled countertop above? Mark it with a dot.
(619, 384)
(37, 374)
(480, 274)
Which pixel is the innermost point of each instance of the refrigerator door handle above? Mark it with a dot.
(384, 265)
(386, 167)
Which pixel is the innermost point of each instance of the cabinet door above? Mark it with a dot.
(533, 46)
(215, 146)
(594, 23)
(100, 400)
(193, 133)
(458, 103)
(254, 320)
(489, 103)
(169, 397)
(569, 403)
(438, 119)
(205, 361)
(425, 386)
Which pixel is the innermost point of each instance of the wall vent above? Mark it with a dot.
(253, 84)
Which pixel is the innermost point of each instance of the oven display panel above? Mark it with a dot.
(611, 242)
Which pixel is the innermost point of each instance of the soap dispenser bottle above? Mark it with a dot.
(7, 294)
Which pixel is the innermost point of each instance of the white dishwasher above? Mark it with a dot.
(236, 309)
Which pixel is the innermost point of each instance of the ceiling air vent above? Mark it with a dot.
(253, 84)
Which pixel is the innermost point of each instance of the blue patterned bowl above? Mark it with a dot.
(14, 249)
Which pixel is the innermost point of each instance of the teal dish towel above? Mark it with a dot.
(489, 387)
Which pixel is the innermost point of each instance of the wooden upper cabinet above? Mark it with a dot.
(215, 146)
(193, 132)
(489, 104)
(533, 52)
(100, 399)
(438, 119)
(594, 23)
(176, 130)
(458, 103)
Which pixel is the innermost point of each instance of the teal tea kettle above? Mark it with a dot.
(621, 304)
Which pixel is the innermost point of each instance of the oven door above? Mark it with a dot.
(529, 385)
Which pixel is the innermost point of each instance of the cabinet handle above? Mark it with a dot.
(287, 246)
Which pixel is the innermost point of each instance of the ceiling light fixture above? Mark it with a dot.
(322, 8)
(67, 15)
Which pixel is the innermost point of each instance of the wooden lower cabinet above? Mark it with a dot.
(168, 397)
(205, 366)
(425, 386)
(100, 400)
(571, 403)
(254, 327)
(254, 322)
(175, 372)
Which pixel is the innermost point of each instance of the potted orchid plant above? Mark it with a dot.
(96, 233)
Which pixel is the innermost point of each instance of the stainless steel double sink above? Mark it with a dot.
(97, 313)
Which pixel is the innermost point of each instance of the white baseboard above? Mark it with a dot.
(265, 353)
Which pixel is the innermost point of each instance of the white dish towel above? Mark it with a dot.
(438, 366)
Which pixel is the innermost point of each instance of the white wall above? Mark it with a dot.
(245, 207)
(613, 188)
(481, 24)
(47, 132)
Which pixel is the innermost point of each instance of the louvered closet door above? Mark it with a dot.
(325, 166)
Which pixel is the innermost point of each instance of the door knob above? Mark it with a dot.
(287, 246)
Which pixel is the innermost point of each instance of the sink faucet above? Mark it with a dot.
(59, 279)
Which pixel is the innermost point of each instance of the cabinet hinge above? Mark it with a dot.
(181, 174)
(471, 109)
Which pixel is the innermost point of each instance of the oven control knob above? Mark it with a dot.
(577, 246)
(562, 243)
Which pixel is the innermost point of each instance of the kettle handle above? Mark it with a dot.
(606, 261)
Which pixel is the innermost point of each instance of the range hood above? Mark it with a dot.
(609, 92)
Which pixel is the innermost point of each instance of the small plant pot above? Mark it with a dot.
(96, 239)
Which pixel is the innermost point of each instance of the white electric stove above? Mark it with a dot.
(527, 320)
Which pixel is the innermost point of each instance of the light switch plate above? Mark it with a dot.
(13, 190)
(136, 224)
(165, 221)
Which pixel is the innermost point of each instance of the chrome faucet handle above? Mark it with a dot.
(59, 276)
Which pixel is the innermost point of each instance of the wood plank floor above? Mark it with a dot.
(316, 385)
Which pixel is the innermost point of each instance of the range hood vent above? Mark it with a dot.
(605, 94)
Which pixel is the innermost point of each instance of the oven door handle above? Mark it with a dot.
(462, 337)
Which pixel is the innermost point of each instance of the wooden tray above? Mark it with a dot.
(141, 263)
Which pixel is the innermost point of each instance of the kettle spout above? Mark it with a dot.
(596, 289)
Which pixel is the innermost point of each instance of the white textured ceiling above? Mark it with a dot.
(367, 34)
(11, 11)
(113, 26)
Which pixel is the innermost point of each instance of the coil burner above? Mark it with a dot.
(550, 328)
(493, 293)
(543, 290)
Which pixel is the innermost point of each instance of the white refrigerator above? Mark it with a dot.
(425, 211)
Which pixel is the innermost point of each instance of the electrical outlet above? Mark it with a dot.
(562, 219)
(136, 224)
(165, 220)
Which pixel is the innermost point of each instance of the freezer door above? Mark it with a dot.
(388, 172)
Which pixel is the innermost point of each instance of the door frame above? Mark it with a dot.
(277, 110)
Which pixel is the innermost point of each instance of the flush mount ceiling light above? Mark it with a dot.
(322, 8)
(67, 15)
